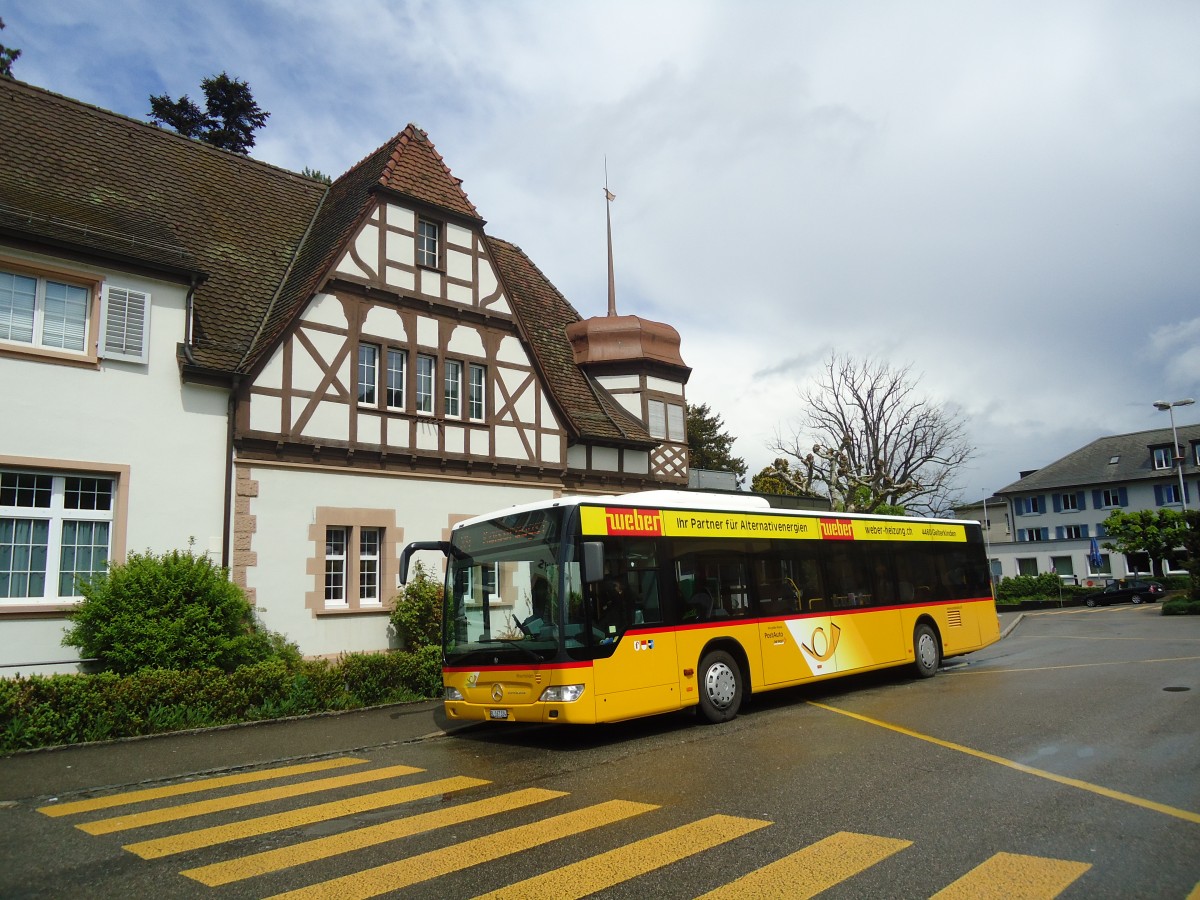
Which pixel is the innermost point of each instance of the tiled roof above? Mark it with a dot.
(78, 176)
(417, 170)
(398, 164)
(260, 238)
(544, 314)
(1094, 463)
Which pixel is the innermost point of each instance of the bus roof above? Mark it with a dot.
(683, 500)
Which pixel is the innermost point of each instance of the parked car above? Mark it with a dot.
(1120, 591)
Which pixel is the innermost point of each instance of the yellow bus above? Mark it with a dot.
(602, 609)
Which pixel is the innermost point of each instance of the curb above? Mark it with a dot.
(1015, 622)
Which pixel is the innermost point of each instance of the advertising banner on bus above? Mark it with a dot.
(625, 521)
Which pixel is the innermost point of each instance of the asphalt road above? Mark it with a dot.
(1062, 761)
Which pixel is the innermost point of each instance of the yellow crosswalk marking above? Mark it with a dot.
(192, 787)
(623, 863)
(405, 872)
(237, 801)
(323, 848)
(816, 868)
(1011, 876)
(220, 834)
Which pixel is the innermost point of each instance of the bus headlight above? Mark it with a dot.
(562, 693)
(452, 693)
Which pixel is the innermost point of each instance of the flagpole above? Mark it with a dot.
(609, 197)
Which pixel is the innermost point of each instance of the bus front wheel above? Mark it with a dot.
(928, 653)
(720, 687)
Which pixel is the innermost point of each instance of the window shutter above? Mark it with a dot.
(1158, 495)
(1100, 530)
(1085, 531)
(1122, 497)
(1186, 493)
(1081, 500)
(1019, 507)
(1058, 502)
(1097, 500)
(1059, 532)
(125, 325)
(1020, 534)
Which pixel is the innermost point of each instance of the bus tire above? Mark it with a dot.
(928, 653)
(720, 687)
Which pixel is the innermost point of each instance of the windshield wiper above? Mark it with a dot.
(516, 645)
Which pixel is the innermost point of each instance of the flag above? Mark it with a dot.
(1094, 555)
(609, 195)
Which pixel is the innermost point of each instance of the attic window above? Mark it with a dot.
(428, 243)
(1113, 460)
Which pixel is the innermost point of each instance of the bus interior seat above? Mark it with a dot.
(702, 603)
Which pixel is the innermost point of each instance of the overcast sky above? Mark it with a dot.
(1005, 196)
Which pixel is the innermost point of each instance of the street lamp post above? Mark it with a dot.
(1160, 405)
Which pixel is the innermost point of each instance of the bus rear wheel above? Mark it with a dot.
(720, 687)
(927, 651)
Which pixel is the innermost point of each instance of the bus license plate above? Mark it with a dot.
(498, 713)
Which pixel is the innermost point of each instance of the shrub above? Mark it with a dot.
(41, 711)
(1181, 606)
(1013, 589)
(417, 612)
(174, 611)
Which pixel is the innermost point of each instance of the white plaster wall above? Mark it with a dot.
(458, 236)
(401, 217)
(631, 402)
(325, 309)
(384, 321)
(605, 459)
(465, 340)
(171, 435)
(619, 382)
(284, 510)
(663, 385)
(427, 332)
(637, 462)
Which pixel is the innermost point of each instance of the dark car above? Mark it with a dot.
(1120, 591)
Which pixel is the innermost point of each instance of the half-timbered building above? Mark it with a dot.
(201, 349)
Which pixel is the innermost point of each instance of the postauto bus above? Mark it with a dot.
(601, 609)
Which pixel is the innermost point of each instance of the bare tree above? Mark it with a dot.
(871, 444)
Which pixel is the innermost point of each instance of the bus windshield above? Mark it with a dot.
(503, 587)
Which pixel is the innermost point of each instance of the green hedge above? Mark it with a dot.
(42, 711)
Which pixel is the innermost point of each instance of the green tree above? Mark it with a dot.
(228, 121)
(1157, 533)
(417, 611)
(780, 478)
(316, 175)
(8, 56)
(1191, 546)
(710, 446)
(174, 611)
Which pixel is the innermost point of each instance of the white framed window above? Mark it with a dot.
(1070, 502)
(1062, 566)
(397, 371)
(1105, 567)
(426, 366)
(368, 373)
(125, 320)
(1074, 532)
(55, 529)
(477, 408)
(452, 396)
(1170, 494)
(335, 565)
(428, 243)
(43, 312)
(656, 418)
(675, 420)
(1196, 454)
(369, 542)
(1163, 458)
(1109, 498)
(1027, 566)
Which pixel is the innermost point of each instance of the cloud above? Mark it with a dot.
(1003, 195)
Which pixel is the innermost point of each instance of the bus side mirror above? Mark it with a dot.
(593, 561)
(406, 555)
